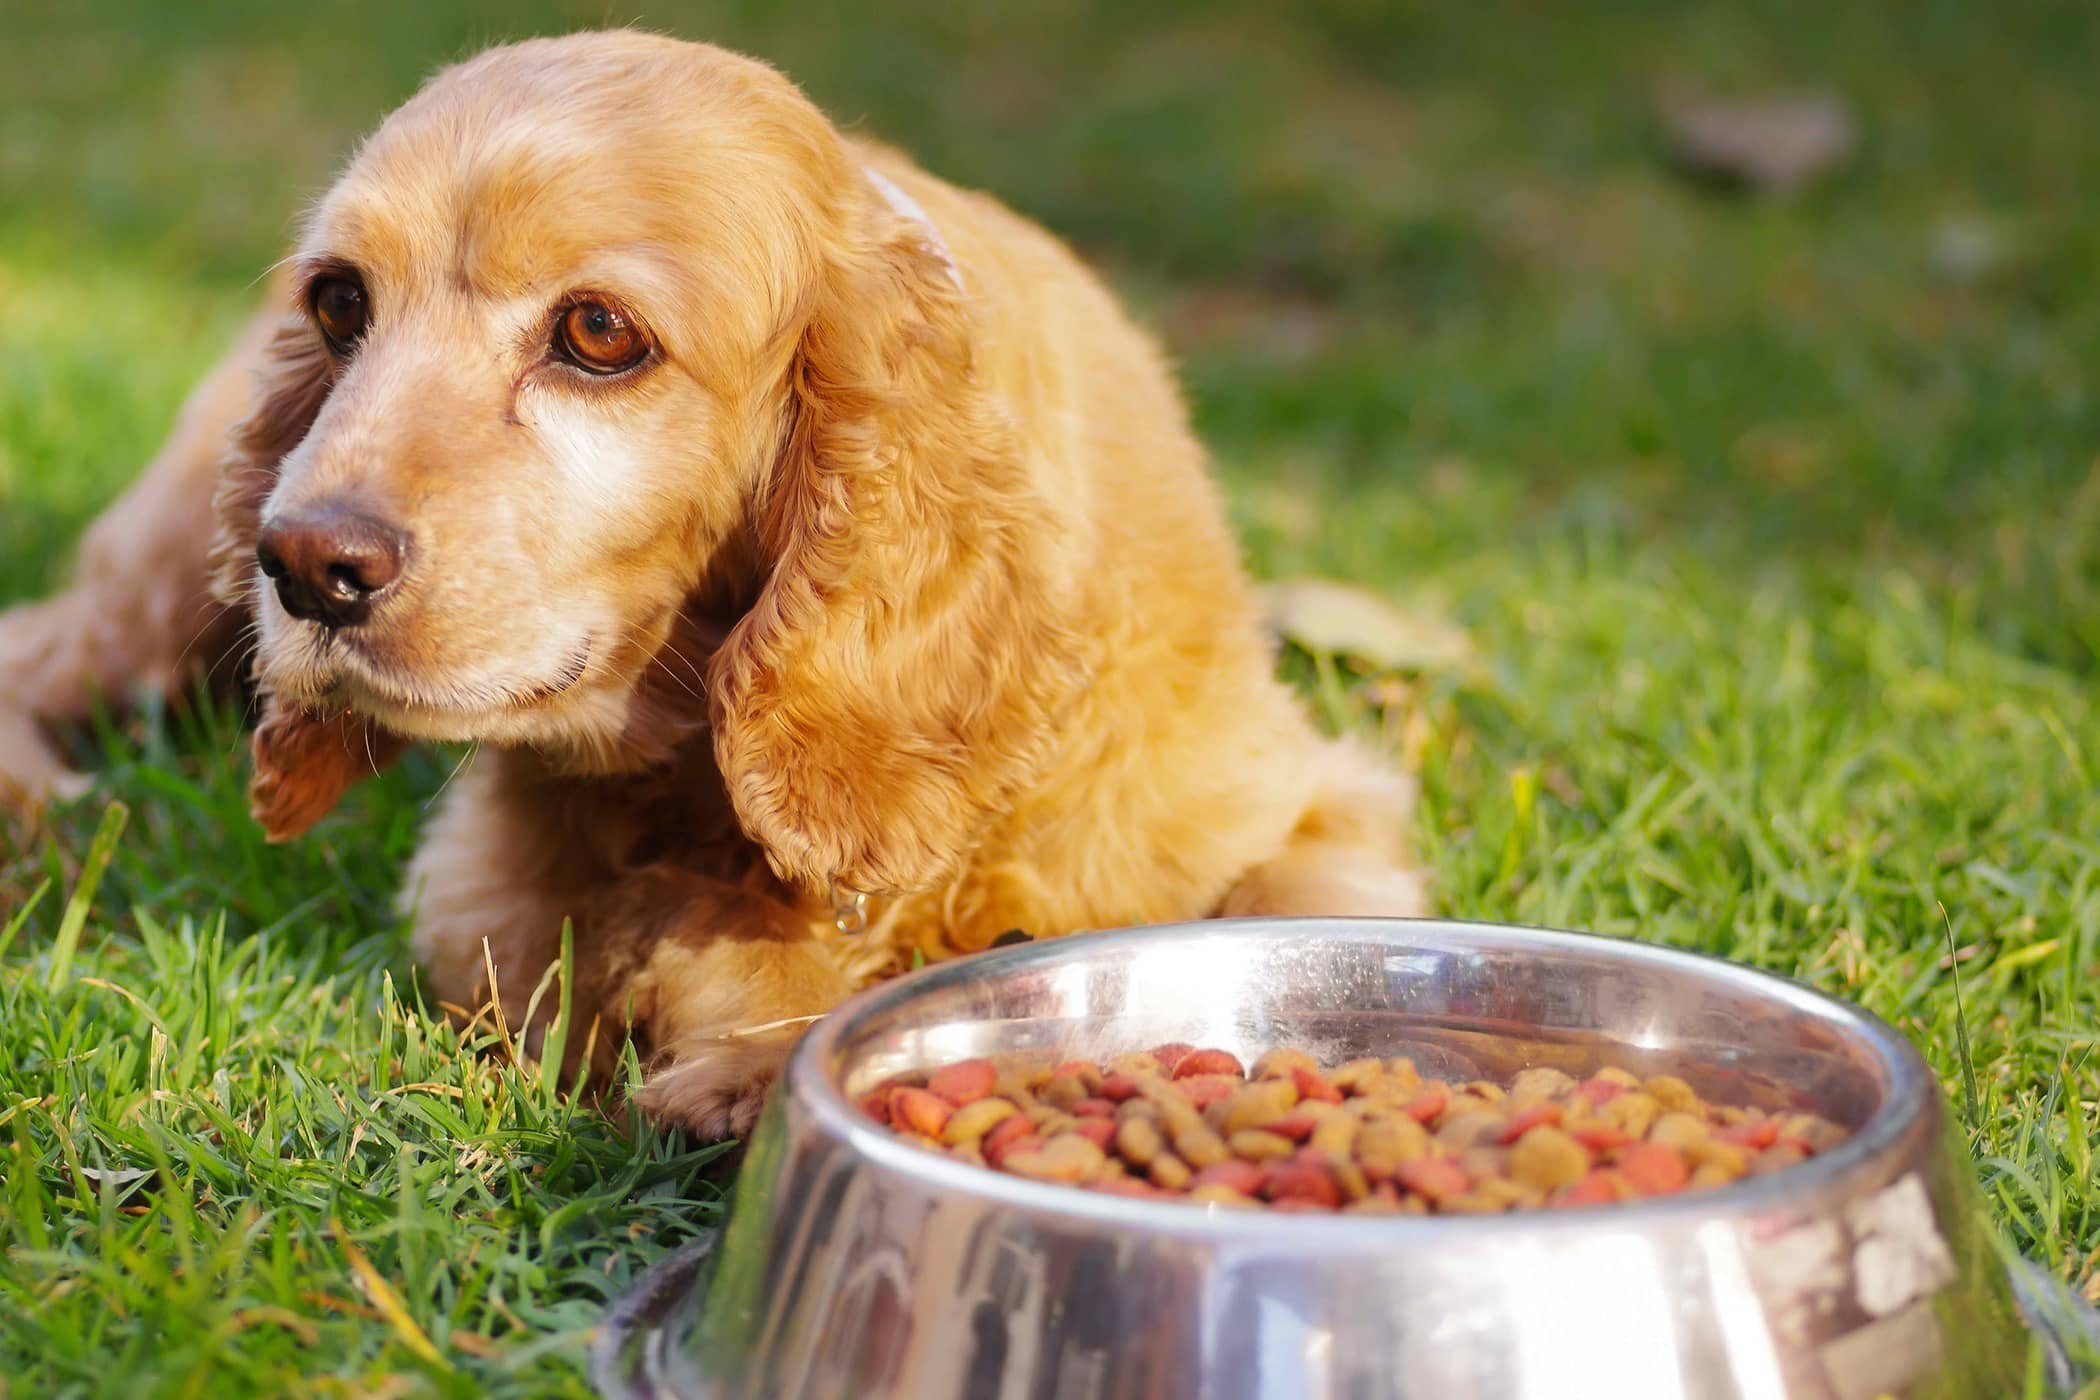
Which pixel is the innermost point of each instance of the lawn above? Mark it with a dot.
(1774, 526)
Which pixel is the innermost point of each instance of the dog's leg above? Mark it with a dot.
(138, 617)
(723, 998)
(1347, 854)
(715, 979)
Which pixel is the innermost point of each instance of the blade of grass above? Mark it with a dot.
(556, 1042)
(385, 1299)
(14, 925)
(1961, 1029)
(69, 928)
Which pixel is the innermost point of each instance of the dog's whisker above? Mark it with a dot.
(457, 768)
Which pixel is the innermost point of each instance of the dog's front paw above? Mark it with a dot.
(715, 1091)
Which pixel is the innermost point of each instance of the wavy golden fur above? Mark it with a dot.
(893, 569)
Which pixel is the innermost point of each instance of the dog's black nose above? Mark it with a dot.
(330, 563)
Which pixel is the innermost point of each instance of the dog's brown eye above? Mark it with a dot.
(340, 309)
(599, 338)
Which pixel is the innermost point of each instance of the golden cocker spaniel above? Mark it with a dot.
(819, 556)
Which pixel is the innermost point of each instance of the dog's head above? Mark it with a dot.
(596, 326)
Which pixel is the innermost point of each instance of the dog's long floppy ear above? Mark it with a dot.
(906, 663)
(304, 763)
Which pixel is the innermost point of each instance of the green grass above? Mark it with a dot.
(1774, 526)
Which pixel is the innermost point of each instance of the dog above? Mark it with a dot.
(819, 558)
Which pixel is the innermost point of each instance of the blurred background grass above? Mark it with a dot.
(1410, 242)
(1772, 522)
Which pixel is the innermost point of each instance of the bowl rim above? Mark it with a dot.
(807, 1079)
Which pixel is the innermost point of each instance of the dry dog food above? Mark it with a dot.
(1178, 1122)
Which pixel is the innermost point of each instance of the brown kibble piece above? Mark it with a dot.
(1258, 1105)
(1139, 1141)
(1278, 1064)
(1459, 1131)
(973, 1120)
(1383, 1144)
(1707, 1175)
(1712, 1152)
(1547, 1158)
(1544, 1082)
(1471, 1203)
(1678, 1129)
(1200, 1147)
(1254, 1145)
(1336, 1134)
(1134, 1065)
(1068, 1158)
(1632, 1113)
(1170, 1173)
(1359, 1076)
(1350, 1177)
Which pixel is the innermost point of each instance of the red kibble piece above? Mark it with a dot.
(963, 1082)
(1238, 1174)
(1433, 1177)
(1597, 1188)
(1118, 1087)
(1313, 1085)
(1601, 1137)
(1099, 1131)
(1525, 1120)
(1653, 1169)
(1171, 1055)
(1600, 1090)
(920, 1110)
(1012, 1129)
(1756, 1133)
(1298, 1180)
(1386, 1191)
(1203, 1090)
(1210, 1062)
(1127, 1186)
(1093, 1108)
(1013, 1147)
(1295, 1126)
(877, 1106)
(1428, 1104)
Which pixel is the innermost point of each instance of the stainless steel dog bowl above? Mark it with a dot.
(857, 1265)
